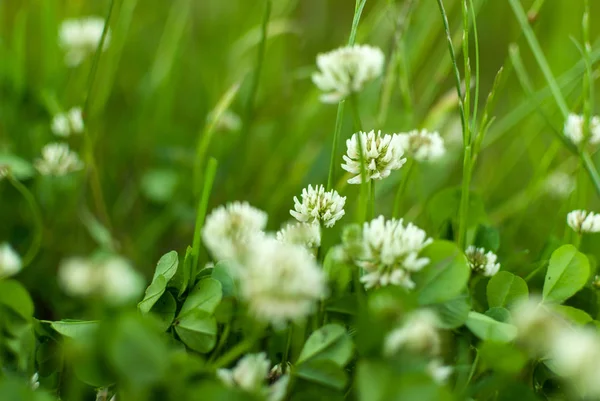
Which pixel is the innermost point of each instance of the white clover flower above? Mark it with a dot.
(319, 206)
(438, 371)
(574, 129)
(381, 154)
(559, 185)
(346, 70)
(307, 235)
(281, 282)
(390, 252)
(418, 334)
(80, 38)
(229, 228)
(249, 373)
(582, 221)
(57, 160)
(34, 381)
(482, 262)
(10, 261)
(278, 390)
(111, 278)
(536, 325)
(66, 124)
(422, 145)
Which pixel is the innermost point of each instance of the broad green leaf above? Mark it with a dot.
(76, 329)
(502, 357)
(198, 330)
(20, 168)
(499, 314)
(489, 329)
(505, 288)
(324, 372)
(572, 314)
(331, 342)
(488, 238)
(568, 271)
(164, 310)
(153, 294)
(222, 273)
(445, 277)
(182, 277)
(14, 296)
(453, 313)
(205, 296)
(167, 265)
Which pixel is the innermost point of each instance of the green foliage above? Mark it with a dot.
(489, 329)
(568, 271)
(165, 271)
(505, 288)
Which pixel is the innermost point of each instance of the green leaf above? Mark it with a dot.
(76, 329)
(164, 310)
(568, 271)
(572, 314)
(331, 342)
(182, 277)
(198, 330)
(222, 273)
(499, 314)
(502, 357)
(167, 265)
(324, 372)
(505, 288)
(14, 296)
(488, 238)
(205, 296)
(445, 277)
(153, 294)
(453, 313)
(20, 168)
(489, 329)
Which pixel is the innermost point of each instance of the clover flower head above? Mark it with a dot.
(390, 252)
(10, 261)
(66, 124)
(422, 145)
(319, 206)
(58, 160)
(347, 70)
(381, 155)
(574, 129)
(582, 221)
(280, 282)
(228, 229)
(307, 235)
(438, 371)
(80, 38)
(419, 334)
(482, 262)
(249, 373)
(536, 324)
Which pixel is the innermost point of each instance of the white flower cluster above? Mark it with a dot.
(582, 221)
(422, 145)
(307, 235)
(482, 262)
(388, 252)
(66, 124)
(279, 279)
(346, 70)
(559, 185)
(319, 206)
(111, 278)
(574, 129)
(58, 160)
(250, 375)
(10, 261)
(229, 229)
(80, 38)
(420, 335)
(381, 154)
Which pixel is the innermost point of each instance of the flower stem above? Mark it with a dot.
(363, 201)
(234, 353)
(402, 187)
(288, 346)
(334, 149)
(464, 198)
(371, 210)
(37, 219)
(209, 177)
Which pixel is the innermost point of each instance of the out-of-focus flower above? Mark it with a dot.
(574, 129)
(228, 121)
(536, 325)
(319, 206)
(228, 229)
(10, 261)
(482, 262)
(80, 38)
(559, 185)
(249, 373)
(418, 334)
(66, 124)
(438, 371)
(346, 70)
(390, 252)
(422, 145)
(381, 155)
(58, 160)
(307, 235)
(582, 221)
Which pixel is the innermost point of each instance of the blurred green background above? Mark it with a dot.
(169, 63)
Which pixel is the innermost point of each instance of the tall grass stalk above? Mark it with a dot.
(37, 220)
(209, 178)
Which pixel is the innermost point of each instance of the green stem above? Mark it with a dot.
(358, 9)
(473, 369)
(222, 341)
(402, 187)
(371, 211)
(288, 346)
(336, 139)
(234, 353)
(476, 42)
(464, 198)
(37, 219)
(209, 177)
(364, 190)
